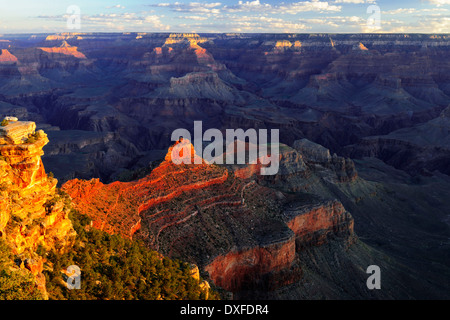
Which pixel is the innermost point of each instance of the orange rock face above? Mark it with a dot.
(230, 226)
(254, 267)
(314, 224)
(65, 49)
(7, 57)
(274, 265)
(117, 207)
(31, 213)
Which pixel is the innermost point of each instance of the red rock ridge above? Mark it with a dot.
(315, 224)
(7, 57)
(66, 49)
(275, 265)
(207, 215)
(257, 267)
(117, 207)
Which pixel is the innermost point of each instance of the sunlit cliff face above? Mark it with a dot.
(31, 214)
(118, 207)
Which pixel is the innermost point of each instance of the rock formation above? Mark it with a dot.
(317, 155)
(31, 212)
(112, 114)
(6, 57)
(244, 235)
(66, 49)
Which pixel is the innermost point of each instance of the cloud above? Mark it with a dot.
(117, 6)
(195, 18)
(255, 5)
(413, 10)
(355, 1)
(251, 6)
(283, 8)
(191, 7)
(314, 5)
(115, 21)
(439, 2)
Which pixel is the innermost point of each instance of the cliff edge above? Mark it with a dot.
(32, 214)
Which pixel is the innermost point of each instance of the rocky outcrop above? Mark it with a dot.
(6, 57)
(271, 266)
(316, 224)
(258, 268)
(301, 161)
(32, 214)
(316, 155)
(65, 49)
(118, 207)
(242, 234)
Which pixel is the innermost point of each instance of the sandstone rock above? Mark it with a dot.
(315, 224)
(126, 201)
(229, 225)
(7, 58)
(65, 49)
(16, 132)
(31, 214)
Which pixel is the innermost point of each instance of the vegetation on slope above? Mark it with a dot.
(15, 283)
(112, 268)
(116, 268)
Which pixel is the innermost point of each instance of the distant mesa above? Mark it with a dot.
(64, 36)
(184, 38)
(361, 47)
(281, 46)
(7, 57)
(66, 49)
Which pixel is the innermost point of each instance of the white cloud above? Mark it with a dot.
(355, 1)
(195, 18)
(193, 7)
(116, 21)
(413, 10)
(439, 2)
(117, 6)
(290, 8)
(314, 5)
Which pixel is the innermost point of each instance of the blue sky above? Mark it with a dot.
(333, 16)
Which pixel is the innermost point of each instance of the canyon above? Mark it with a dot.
(137, 88)
(363, 176)
(244, 235)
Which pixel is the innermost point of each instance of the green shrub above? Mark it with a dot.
(4, 123)
(116, 268)
(15, 284)
(32, 138)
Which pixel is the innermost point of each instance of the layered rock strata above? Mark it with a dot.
(32, 214)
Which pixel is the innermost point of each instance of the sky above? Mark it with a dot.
(311, 16)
